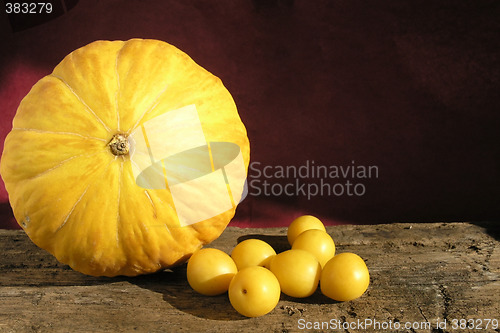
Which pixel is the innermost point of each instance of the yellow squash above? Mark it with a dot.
(69, 176)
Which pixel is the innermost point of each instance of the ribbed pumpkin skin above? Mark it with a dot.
(72, 195)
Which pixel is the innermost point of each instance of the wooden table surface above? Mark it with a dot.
(432, 277)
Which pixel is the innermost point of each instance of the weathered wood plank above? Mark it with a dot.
(420, 273)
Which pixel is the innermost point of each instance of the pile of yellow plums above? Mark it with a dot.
(254, 275)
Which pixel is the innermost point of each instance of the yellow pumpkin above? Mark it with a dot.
(67, 167)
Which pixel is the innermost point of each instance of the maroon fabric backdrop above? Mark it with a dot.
(409, 87)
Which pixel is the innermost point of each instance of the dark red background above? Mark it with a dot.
(412, 87)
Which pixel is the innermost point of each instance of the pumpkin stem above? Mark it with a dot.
(119, 145)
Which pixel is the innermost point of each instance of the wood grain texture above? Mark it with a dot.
(420, 273)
